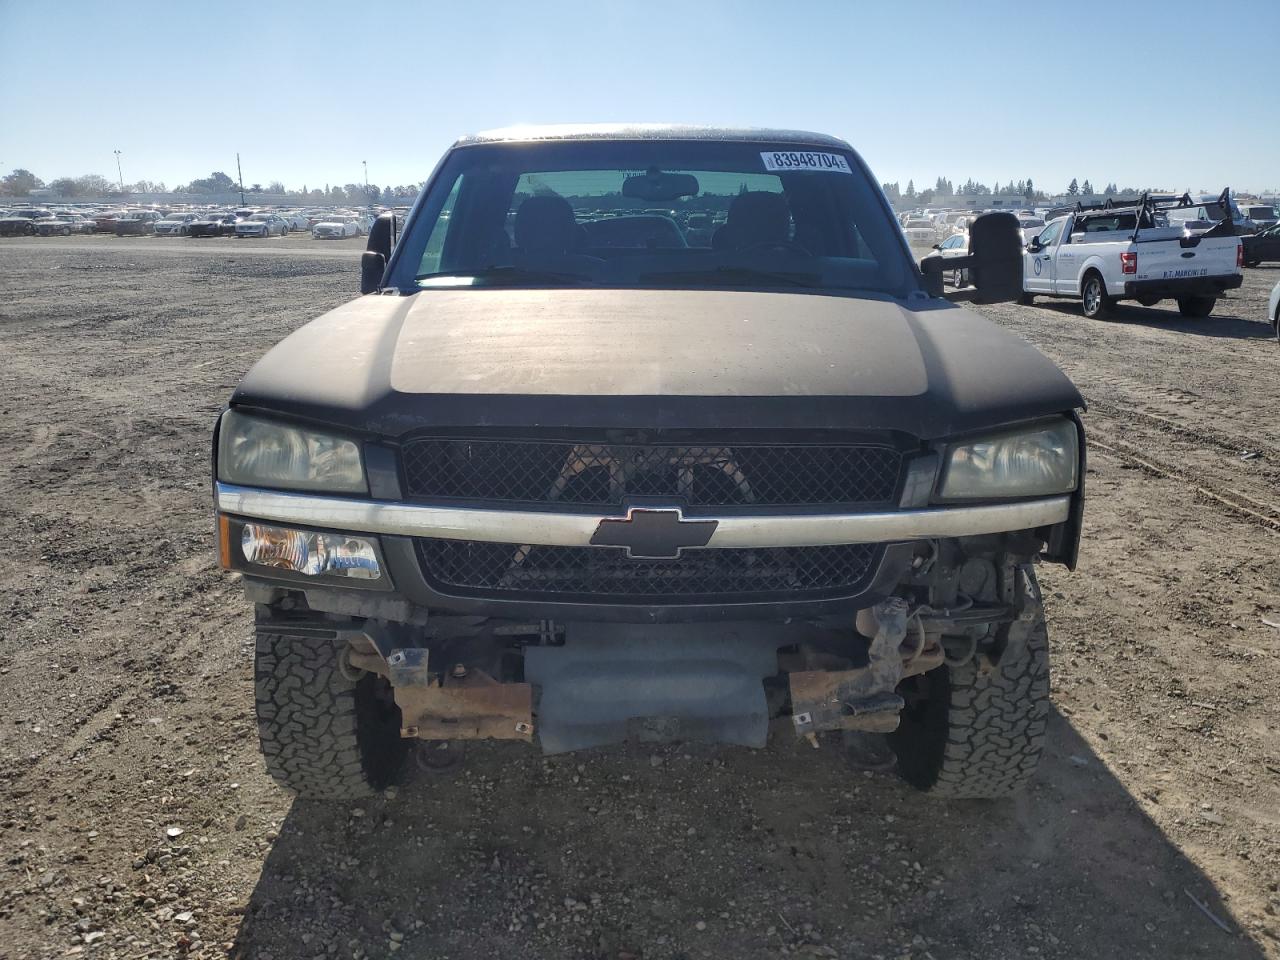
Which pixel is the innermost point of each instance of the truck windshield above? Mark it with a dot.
(654, 213)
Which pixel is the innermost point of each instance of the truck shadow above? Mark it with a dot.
(1164, 317)
(680, 851)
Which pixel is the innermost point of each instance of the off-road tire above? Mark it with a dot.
(323, 735)
(1196, 308)
(977, 736)
(1096, 305)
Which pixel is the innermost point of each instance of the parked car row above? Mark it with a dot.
(928, 226)
(322, 222)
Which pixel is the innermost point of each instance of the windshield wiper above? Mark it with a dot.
(739, 275)
(514, 275)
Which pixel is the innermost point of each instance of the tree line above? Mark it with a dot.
(1027, 189)
(21, 182)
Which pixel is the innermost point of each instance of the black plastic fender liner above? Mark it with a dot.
(610, 683)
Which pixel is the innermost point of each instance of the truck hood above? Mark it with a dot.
(607, 358)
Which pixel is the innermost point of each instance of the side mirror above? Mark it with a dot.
(994, 262)
(937, 246)
(1033, 244)
(382, 235)
(372, 267)
(373, 262)
(931, 270)
(995, 246)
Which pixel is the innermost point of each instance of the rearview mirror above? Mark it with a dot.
(658, 186)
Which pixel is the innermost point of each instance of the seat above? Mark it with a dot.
(757, 218)
(545, 224)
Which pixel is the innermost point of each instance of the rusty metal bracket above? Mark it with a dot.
(409, 667)
(465, 705)
(862, 698)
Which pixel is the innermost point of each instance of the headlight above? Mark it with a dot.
(1030, 462)
(256, 452)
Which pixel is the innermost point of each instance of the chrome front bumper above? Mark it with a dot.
(576, 529)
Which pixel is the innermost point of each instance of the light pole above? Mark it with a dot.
(368, 200)
(119, 171)
(240, 177)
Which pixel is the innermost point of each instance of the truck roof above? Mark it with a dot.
(648, 131)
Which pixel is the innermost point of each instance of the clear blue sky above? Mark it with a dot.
(307, 90)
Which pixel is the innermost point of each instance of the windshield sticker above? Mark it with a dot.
(797, 160)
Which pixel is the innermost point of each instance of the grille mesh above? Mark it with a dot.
(605, 572)
(519, 471)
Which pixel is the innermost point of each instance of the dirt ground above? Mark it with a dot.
(136, 819)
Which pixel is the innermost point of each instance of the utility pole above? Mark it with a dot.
(240, 176)
(119, 172)
(368, 200)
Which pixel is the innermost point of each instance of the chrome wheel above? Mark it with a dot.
(1092, 297)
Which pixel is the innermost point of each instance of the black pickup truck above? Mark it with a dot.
(546, 483)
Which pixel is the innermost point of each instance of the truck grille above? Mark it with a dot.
(598, 574)
(593, 474)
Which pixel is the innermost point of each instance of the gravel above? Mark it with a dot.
(129, 652)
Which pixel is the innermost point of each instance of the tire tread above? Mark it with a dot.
(997, 724)
(308, 719)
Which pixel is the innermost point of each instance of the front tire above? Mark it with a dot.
(965, 734)
(1196, 307)
(1096, 303)
(323, 735)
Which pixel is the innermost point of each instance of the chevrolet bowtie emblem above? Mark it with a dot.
(653, 533)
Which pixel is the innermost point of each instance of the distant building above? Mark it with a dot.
(1064, 199)
(983, 201)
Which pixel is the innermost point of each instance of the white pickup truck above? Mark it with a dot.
(1102, 256)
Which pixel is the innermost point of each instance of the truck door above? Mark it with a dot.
(1037, 264)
